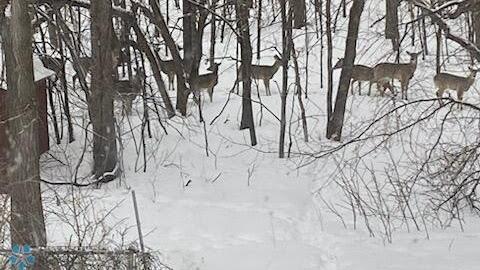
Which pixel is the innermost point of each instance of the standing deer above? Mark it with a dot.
(385, 72)
(168, 67)
(264, 73)
(207, 81)
(127, 91)
(447, 81)
(360, 73)
(119, 57)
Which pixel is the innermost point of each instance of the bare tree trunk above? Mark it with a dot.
(247, 122)
(476, 23)
(182, 91)
(299, 13)
(101, 98)
(391, 26)
(286, 15)
(27, 221)
(328, 23)
(259, 30)
(438, 34)
(335, 126)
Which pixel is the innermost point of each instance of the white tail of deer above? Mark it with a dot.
(264, 73)
(127, 91)
(208, 81)
(403, 72)
(447, 81)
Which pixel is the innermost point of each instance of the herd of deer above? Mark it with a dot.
(208, 81)
(382, 75)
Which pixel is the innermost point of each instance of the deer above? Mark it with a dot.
(119, 57)
(385, 72)
(127, 91)
(264, 73)
(207, 81)
(446, 81)
(168, 67)
(360, 73)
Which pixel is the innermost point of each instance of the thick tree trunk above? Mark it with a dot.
(101, 97)
(476, 23)
(27, 221)
(299, 13)
(391, 26)
(242, 11)
(335, 126)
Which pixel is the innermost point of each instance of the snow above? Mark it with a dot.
(40, 72)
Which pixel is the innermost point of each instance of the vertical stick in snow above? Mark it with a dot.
(137, 219)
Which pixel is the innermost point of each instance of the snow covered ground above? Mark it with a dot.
(243, 208)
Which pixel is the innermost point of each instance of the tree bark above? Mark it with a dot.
(247, 122)
(335, 126)
(27, 221)
(391, 25)
(101, 97)
(286, 15)
(328, 17)
(299, 13)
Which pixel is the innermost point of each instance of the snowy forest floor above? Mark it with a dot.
(241, 207)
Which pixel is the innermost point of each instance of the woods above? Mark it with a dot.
(209, 103)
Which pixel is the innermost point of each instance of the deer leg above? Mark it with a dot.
(359, 88)
(129, 105)
(405, 89)
(381, 88)
(171, 82)
(351, 86)
(74, 78)
(369, 88)
(440, 95)
(210, 94)
(267, 87)
(460, 98)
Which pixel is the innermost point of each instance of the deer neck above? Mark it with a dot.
(471, 79)
(276, 66)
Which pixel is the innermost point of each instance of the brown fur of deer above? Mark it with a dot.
(168, 68)
(446, 81)
(208, 81)
(127, 91)
(403, 72)
(264, 73)
(119, 57)
(360, 73)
